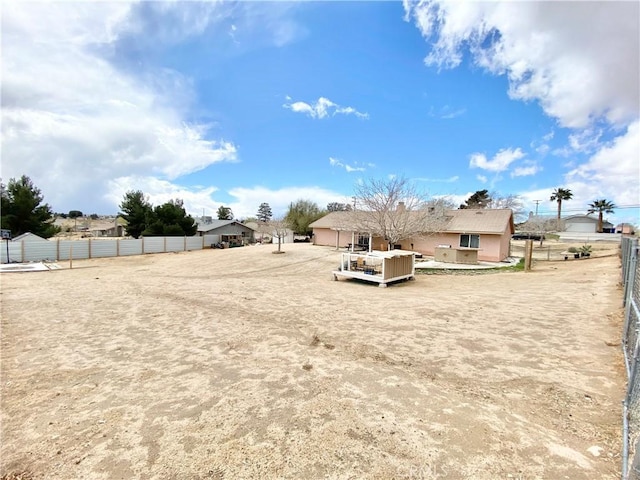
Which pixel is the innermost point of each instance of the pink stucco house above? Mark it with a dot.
(488, 231)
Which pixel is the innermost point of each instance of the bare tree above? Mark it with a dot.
(279, 227)
(395, 210)
(513, 202)
(539, 226)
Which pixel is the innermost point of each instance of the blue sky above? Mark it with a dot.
(241, 103)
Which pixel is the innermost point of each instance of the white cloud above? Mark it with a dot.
(499, 163)
(453, 179)
(526, 171)
(201, 200)
(449, 114)
(160, 191)
(614, 171)
(543, 149)
(322, 108)
(334, 162)
(70, 118)
(482, 178)
(249, 199)
(580, 60)
(585, 141)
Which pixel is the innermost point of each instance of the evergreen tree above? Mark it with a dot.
(264, 213)
(23, 210)
(225, 213)
(136, 210)
(480, 199)
(170, 219)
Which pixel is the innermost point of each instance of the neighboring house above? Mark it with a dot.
(230, 231)
(262, 232)
(115, 228)
(625, 229)
(585, 224)
(488, 231)
(29, 238)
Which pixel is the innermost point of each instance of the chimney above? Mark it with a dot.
(400, 207)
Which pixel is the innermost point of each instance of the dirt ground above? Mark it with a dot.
(238, 364)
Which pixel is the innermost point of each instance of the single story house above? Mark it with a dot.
(625, 229)
(487, 231)
(115, 228)
(229, 231)
(586, 224)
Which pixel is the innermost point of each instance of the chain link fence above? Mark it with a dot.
(631, 346)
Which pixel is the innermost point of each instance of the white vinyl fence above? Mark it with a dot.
(59, 249)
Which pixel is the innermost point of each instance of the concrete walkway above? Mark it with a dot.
(508, 262)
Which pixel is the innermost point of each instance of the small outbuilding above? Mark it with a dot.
(378, 267)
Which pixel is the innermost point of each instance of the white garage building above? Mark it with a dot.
(585, 224)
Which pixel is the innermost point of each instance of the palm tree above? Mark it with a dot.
(558, 195)
(601, 206)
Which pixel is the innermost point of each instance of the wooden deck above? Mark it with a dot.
(377, 267)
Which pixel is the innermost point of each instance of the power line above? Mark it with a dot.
(564, 210)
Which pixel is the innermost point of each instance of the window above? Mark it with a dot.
(472, 241)
(362, 239)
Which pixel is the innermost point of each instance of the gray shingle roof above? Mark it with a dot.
(213, 224)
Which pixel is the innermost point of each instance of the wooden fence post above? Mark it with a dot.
(528, 254)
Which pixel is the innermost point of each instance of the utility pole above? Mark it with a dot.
(537, 203)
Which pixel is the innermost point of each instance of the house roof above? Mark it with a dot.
(29, 237)
(214, 224)
(486, 220)
(335, 221)
(587, 217)
(491, 221)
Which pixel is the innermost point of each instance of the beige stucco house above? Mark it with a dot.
(488, 231)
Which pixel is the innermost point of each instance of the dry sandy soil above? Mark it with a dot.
(228, 364)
